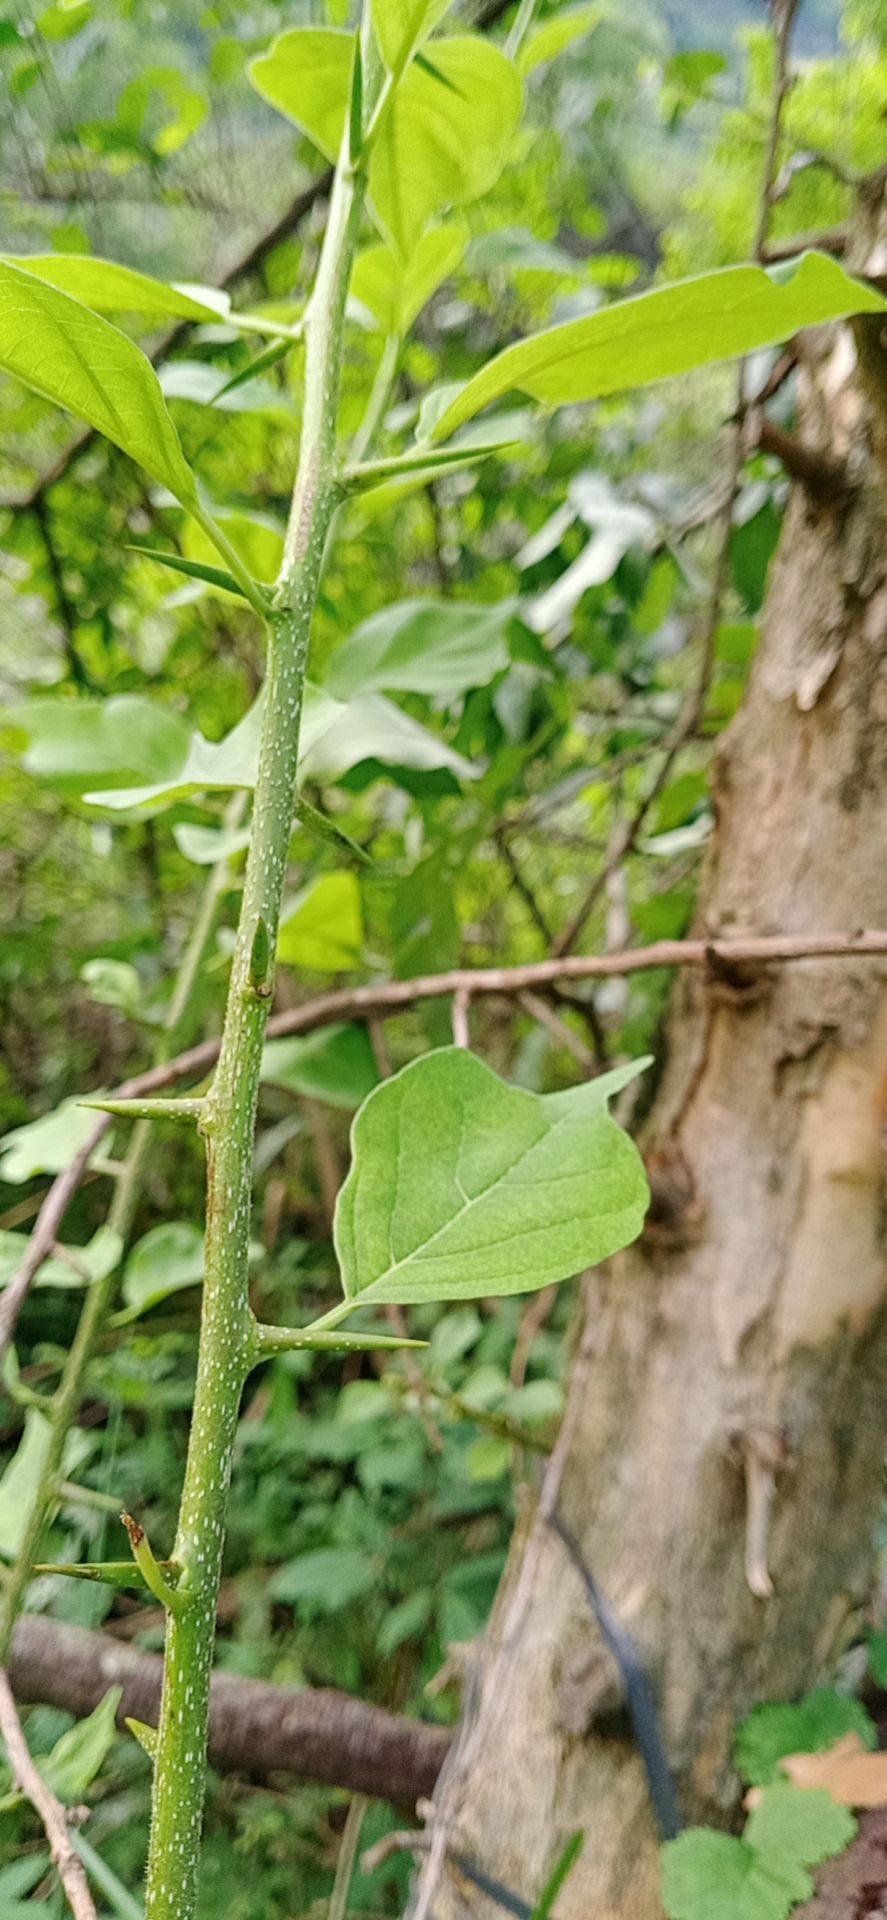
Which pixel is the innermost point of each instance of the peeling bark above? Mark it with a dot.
(723, 1450)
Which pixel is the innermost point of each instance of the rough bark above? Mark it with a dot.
(741, 1347)
(255, 1728)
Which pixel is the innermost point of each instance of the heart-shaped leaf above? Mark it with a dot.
(462, 1185)
(445, 138)
(306, 74)
(442, 140)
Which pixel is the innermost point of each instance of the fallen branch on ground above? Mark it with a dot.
(255, 1728)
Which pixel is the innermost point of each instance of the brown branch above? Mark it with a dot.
(402, 1840)
(562, 1035)
(819, 473)
(398, 996)
(46, 1232)
(255, 1728)
(827, 240)
(50, 1810)
(519, 882)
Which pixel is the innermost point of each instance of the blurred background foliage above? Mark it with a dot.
(564, 593)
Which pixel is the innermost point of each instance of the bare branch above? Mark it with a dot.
(50, 1810)
(398, 996)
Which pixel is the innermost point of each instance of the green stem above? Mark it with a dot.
(242, 575)
(62, 1409)
(523, 21)
(152, 1573)
(227, 1350)
(380, 394)
(271, 1340)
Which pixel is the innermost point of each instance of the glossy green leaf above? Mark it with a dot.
(320, 826)
(47, 1145)
(114, 983)
(488, 1457)
(108, 288)
(423, 646)
(199, 382)
(336, 1065)
(271, 357)
(402, 25)
(373, 728)
(186, 109)
(423, 928)
(207, 845)
(462, 1185)
(80, 362)
(81, 1752)
(322, 926)
(306, 74)
(406, 1621)
(394, 291)
(671, 330)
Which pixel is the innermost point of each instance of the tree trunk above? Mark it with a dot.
(740, 1349)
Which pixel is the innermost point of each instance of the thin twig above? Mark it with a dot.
(50, 1810)
(461, 1008)
(562, 1035)
(402, 1840)
(398, 996)
(347, 1855)
(520, 883)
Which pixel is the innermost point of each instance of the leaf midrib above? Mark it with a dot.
(418, 1254)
